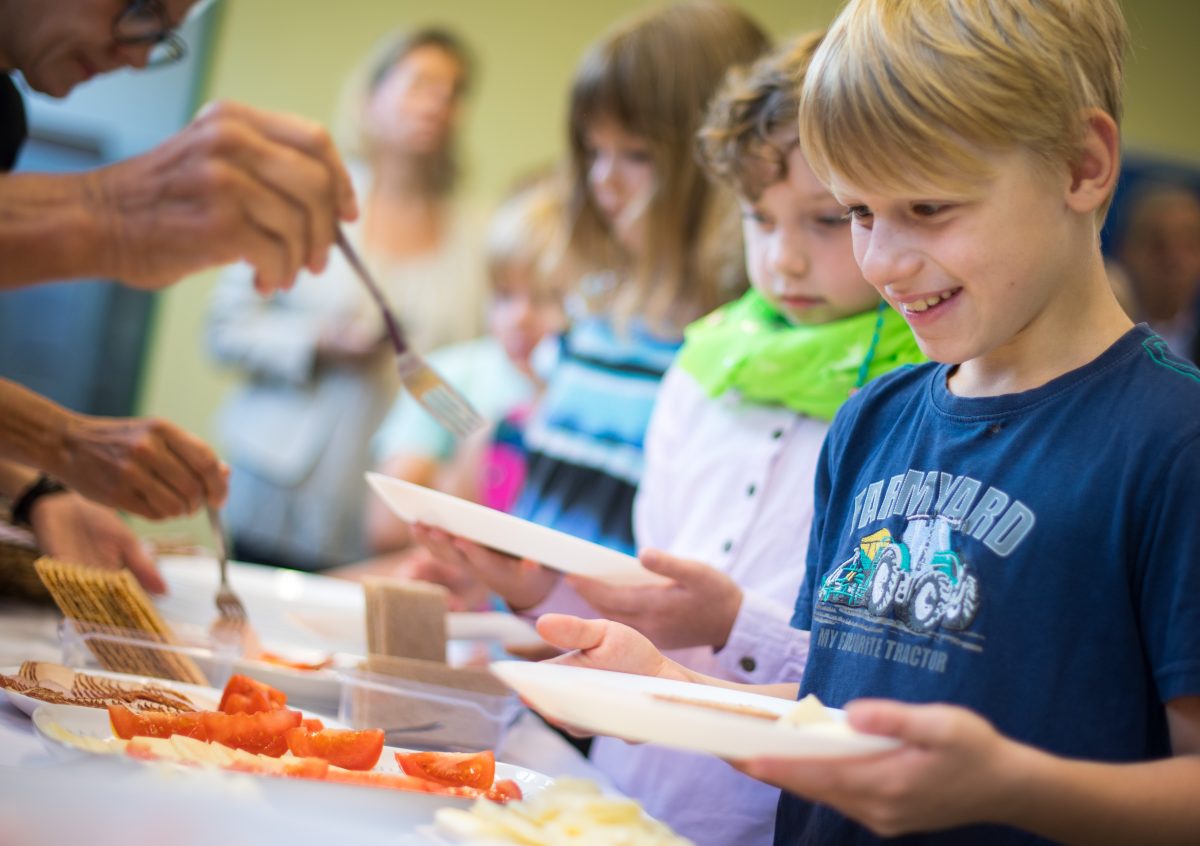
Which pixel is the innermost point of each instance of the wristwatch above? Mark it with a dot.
(22, 506)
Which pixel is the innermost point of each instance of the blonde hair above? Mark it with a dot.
(653, 76)
(527, 229)
(442, 171)
(750, 127)
(907, 93)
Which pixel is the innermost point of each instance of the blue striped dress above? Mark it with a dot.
(585, 438)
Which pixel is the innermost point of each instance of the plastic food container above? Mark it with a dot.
(190, 656)
(423, 715)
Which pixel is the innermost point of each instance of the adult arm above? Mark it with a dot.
(70, 528)
(144, 466)
(236, 184)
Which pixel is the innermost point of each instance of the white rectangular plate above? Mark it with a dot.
(94, 723)
(508, 534)
(625, 706)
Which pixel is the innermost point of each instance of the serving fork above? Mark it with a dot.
(232, 611)
(443, 402)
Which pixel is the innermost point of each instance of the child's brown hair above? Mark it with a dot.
(653, 76)
(751, 123)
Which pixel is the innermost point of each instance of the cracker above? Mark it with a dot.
(406, 619)
(112, 602)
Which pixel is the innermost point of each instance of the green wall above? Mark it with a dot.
(292, 55)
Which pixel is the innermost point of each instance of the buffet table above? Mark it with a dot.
(51, 796)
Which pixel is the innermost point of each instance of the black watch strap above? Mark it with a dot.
(22, 506)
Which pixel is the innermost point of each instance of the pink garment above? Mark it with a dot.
(503, 473)
(730, 484)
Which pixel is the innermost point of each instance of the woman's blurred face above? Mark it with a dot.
(415, 109)
(56, 46)
(621, 179)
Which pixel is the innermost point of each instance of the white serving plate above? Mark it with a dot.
(625, 706)
(271, 595)
(93, 723)
(508, 534)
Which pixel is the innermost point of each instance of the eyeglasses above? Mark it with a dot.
(145, 22)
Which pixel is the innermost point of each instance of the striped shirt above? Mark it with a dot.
(586, 437)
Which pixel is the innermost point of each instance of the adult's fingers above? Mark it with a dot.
(298, 200)
(144, 489)
(303, 135)
(206, 471)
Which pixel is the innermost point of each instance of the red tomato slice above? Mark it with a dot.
(262, 733)
(456, 769)
(244, 695)
(505, 790)
(127, 724)
(308, 666)
(352, 750)
(313, 768)
(394, 781)
(312, 724)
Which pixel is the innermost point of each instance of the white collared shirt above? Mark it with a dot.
(728, 483)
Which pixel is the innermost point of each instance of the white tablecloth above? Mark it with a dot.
(48, 799)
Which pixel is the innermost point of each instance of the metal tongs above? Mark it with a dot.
(445, 404)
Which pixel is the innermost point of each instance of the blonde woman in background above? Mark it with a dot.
(319, 375)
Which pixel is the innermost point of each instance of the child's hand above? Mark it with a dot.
(952, 770)
(697, 609)
(522, 583)
(467, 593)
(605, 645)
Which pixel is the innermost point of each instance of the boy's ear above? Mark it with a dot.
(1097, 164)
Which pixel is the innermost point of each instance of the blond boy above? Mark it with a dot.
(1011, 532)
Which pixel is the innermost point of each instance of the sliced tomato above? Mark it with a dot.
(314, 768)
(346, 748)
(261, 734)
(455, 769)
(127, 724)
(312, 724)
(307, 666)
(244, 695)
(394, 781)
(505, 790)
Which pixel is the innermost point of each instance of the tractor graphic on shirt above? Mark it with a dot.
(920, 580)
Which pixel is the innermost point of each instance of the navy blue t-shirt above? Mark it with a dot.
(1034, 557)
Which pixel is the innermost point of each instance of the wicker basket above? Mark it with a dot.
(18, 579)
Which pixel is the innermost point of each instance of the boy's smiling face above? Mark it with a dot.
(992, 272)
(798, 252)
